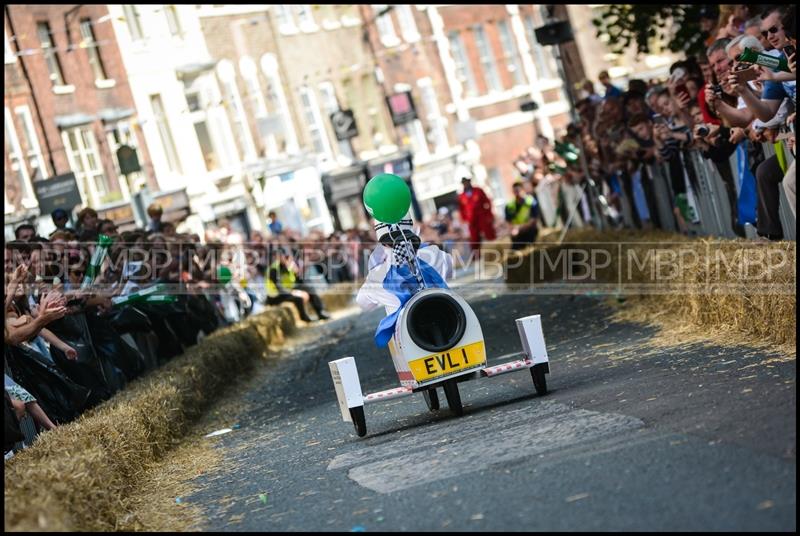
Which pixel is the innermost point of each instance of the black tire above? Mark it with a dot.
(359, 421)
(539, 381)
(453, 397)
(431, 398)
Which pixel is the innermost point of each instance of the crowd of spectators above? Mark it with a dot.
(80, 325)
(717, 104)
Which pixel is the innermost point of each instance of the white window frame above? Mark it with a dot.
(128, 137)
(49, 52)
(463, 68)
(213, 114)
(305, 18)
(173, 20)
(92, 49)
(511, 54)
(487, 60)
(161, 120)
(10, 56)
(416, 133)
(28, 199)
(86, 175)
(269, 66)
(437, 123)
(316, 128)
(134, 22)
(241, 128)
(408, 26)
(545, 67)
(285, 17)
(385, 26)
(331, 104)
(32, 140)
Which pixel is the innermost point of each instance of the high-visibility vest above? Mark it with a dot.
(524, 213)
(287, 279)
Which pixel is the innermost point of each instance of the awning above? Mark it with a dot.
(189, 69)
(110, 115)
(73, 120)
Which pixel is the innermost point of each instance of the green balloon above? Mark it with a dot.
(387, 198)
(224, 274)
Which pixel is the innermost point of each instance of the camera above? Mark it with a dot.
(703, 131)
(788, 50)
(717, 89)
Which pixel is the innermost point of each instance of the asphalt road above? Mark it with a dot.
(630, 437)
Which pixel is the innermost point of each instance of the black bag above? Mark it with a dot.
(129, 319)
(87, 370)
(12, 433)
(108, 345)
(60, 398)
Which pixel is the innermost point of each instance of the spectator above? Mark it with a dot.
(275, 226)
(25, 232)
(87, 225)
(155, 212)
(60, 220)
(476, 209)
(610, 90)
(522, 212)
(284, 283)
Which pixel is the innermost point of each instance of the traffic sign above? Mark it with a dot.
(344, 124)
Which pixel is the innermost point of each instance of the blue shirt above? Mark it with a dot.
(612, 91)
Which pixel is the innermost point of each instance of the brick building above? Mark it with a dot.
(68, 107)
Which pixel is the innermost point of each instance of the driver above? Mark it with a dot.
(399, 267)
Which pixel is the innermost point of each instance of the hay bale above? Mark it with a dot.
(75, 477)
(714, 290)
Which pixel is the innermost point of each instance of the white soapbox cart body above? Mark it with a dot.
(438, 342)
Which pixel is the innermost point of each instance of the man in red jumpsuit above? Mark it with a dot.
(476, 209)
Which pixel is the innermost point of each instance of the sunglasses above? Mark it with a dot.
(772, 30)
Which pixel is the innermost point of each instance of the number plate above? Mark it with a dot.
(449, 362)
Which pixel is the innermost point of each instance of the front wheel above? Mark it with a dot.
(359, 421)
(539, 380)
(431, 398)
(453, 397)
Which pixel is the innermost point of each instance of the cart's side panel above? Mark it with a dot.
(347, 384)
(532, 338)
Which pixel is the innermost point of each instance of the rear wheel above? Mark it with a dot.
(453, 397)
(431, 398)
(359, 421)
(539, 381)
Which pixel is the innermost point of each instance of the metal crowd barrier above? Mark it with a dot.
(711, 197)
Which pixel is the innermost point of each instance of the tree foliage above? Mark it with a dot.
(674, 27)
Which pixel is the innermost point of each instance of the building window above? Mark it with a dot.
(276, 100)
(233, 103)
(9, 55)
(316, 129)
(438, 131)
(463, 69)
(133, 21)
(50, 54)
(173, 21)
(408, 27)
(165, 133)
(416, 134)
(511, 54)
(496, 183)
(331, 105)
(117, 135)
(385, 25)
(17, 186)
(304, 16)
(34, 151)
(89, 42)
(487, 59)
(84, 161)
(285, 18)
(542, 58)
